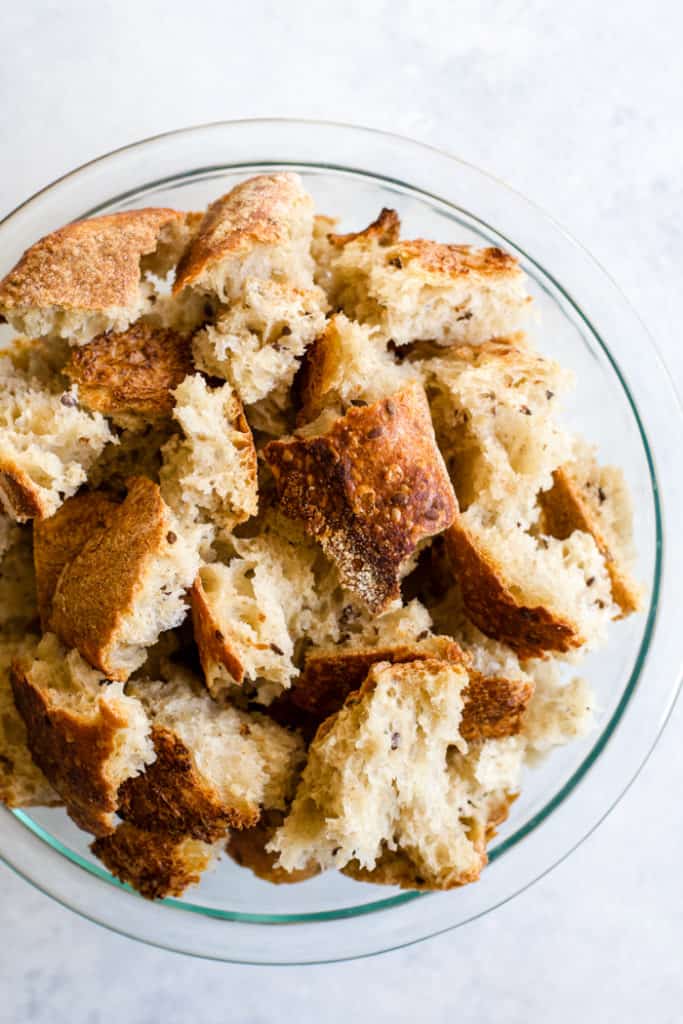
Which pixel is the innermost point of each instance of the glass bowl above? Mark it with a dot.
(624, 401)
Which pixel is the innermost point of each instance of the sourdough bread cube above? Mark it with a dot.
(155, 863)
(209, 476)
(258, 341)
(215, 767)
(83, 732)
(127, 584)
(92, 275)
(260, 229)
(22, 784)
(47, 442)
(413, 290)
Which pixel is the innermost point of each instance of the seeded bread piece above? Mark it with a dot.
(156, 864)
(369, 490)
(130, 375)
(22, 784)
(412, 290)
(209, 476)
(90, 276)
(126, 585)
(260, 229)
(83, 732)
(47, 443)
(390, 771)
(247, 847)
(59, 539)
(592, 498)
(258, 341)
(216, 766)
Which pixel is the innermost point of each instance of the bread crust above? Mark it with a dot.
(172, 797)
(131, 372)
(369, 490)
(155, 864)
(530, 631)
(252, 213)
(434, 259)
(248, 849)
(18, 494)
(213, 646)
(71, 753)
(98, 586)
(385, 230)
(59, 539)
(87, 265)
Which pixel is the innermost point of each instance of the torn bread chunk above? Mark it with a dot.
(560, 711)
(83, 732)
(47, 442)
(349, 364)
(247, 847)
(127, 584)
(18, 605)
(215, 767)
(261, 229)
(59, 539)
(595, 499)
(22, 784)
(414, 290)
(209, 476)
(369, 490)
(129, 376)
(156, 864)
(91, 276)
(389, 771)
(258, 341)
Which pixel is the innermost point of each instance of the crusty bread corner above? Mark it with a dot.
(58, 539)
(247, 847)
(22, 784)
(88, 277)
(369, 490)
(261, 228)
(126, 585)
(156, 864)
(83, 732)
(216, 766)
(129, 375)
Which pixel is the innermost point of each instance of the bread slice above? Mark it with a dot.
(412, 290)
(260, 229)
(209, 476)
(130, 375)
(18, 607)
(389, 771)
(369, 490)
(216, 766)
(258, 341)
(83, 732)
(595, 499)
(126, 585)
(57, 540)
(22, 784)
(349, 364)
(91, 276)
(155, 863)
(47, 443)
(247, 847)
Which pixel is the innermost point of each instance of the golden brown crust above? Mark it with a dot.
(19, 496)
(529, 631)
(98, 586)
(71, 753)
(451, 261)
(494, 706)
(369, 490)
(87, 265)
(252, 213)
(58, 539)
(171, 796)
(564, 510)
(248, 849)
(131, 372)
(385, 230)
(155, 864)
(213, 647)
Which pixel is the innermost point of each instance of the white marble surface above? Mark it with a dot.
(579, 107)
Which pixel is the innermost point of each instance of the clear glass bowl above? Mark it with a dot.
(624, 400)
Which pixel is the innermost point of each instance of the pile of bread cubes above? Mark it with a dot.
(296, 548)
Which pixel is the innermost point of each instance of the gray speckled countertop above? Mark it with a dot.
(579, 107)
